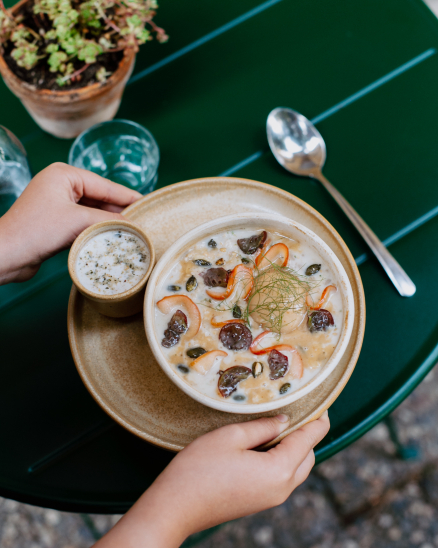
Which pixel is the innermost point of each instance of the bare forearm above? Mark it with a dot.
(13, 264)
(218, 478)
(152, 522)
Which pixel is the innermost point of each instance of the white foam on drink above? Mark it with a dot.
(112, 262)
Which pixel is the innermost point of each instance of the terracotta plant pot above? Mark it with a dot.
(67, 113)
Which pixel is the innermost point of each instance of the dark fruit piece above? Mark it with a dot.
(278, 364)
(178, 322)
(237, 313)
(284, 388)
(183, 368)
(230, 378)
(192, 283)
(195, 352)
(201, 262)
(215, 277)
(257, 369)
(251, 244)
(212, 243)
(174, 287)
(170, 339)
(319, 320)
(313, 269)
(175, 328)
(235, 336)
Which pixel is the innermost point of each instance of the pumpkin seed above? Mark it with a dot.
(183, 368)
(174, 287)
(239, 397)
(313, 269)
(192, 283)
(195, 352)
(257, 369)
(237, 312)
(245, 260)
(212, 243)
(284, 388)
(201, 262)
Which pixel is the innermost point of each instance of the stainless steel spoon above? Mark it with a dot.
(299, 147)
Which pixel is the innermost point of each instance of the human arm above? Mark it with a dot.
(218, 478)
(57, 205)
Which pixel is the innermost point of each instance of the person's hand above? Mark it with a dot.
(57, 205)
(219, 478)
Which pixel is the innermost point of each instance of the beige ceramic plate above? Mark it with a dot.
(113, 357)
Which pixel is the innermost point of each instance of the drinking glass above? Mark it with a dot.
(119, 150)
(14, 170)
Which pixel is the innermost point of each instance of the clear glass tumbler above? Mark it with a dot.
(120, 150)
(14, 170)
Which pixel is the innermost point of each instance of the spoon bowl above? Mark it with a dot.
(297, 145)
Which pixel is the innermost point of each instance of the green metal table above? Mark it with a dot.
(367, 73)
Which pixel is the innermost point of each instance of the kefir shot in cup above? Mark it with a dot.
(109, 264)
(112, 262)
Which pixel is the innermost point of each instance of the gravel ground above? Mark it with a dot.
(366, 496)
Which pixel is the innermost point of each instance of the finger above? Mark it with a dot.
(304, 468)
(90, 185)
(89, 202)
(113, 208)
(96, 204)
(89, 216)
(293, 450)
(101, 205)
(251, 434)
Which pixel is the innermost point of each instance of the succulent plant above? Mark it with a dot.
(68, 33)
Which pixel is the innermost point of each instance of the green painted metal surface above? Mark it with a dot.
(367, 73)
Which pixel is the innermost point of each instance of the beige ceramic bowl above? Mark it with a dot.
(273, 223)
(119, 305)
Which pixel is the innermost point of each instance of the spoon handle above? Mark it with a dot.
(397, 275)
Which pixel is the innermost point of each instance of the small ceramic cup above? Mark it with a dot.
(119, 305)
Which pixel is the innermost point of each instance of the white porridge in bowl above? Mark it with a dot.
(248, 316)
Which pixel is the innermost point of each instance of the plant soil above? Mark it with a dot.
(40, 76)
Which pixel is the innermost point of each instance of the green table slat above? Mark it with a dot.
(400, 346)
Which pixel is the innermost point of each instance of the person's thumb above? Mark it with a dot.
(257, 432)
(296, 446)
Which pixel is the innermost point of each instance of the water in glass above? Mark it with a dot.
(125, 159)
